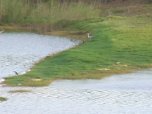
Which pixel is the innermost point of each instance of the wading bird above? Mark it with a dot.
(16, 73)
(89, 36)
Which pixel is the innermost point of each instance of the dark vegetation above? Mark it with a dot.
(2, 99)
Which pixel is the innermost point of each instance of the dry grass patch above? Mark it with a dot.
(19, 91)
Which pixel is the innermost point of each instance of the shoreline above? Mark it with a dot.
(76, 43)
(111, 63)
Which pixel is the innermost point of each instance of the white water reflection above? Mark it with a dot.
(19, 51)
(119, 94)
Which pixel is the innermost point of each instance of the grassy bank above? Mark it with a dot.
(122, 42)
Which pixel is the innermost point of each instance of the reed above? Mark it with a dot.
(46, 12)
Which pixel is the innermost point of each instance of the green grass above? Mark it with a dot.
(120, 44)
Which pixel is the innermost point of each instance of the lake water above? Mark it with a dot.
(19, 51)
(117, 94)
